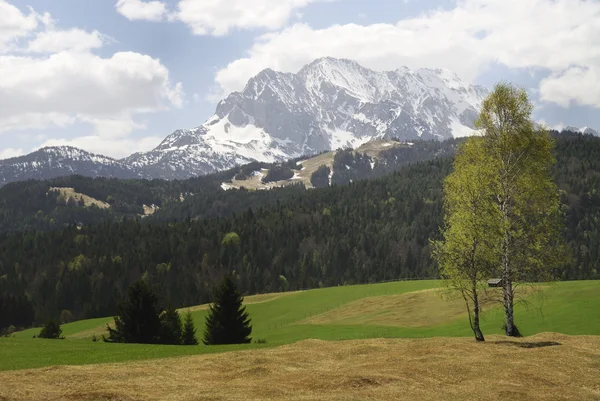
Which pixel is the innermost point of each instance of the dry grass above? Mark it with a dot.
(374, 148)
(543, 367)
(150, 210)
(311, 165)
(414, 309)
(87, 200)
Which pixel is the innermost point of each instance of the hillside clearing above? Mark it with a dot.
(372, 149)
(542, 367)
(414, 309)
(87, 200)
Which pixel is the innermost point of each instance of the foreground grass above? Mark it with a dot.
(400, 309)
(542, 367)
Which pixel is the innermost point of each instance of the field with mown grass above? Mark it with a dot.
(409, 309)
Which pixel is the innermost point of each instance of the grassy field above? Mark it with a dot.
(541, 367)
(401, 309)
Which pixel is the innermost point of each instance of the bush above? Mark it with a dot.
(260, 341)
(51, 330)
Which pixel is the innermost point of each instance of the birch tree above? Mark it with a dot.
(468, 249)
(524, 194)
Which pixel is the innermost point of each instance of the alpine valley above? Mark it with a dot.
(329, 104)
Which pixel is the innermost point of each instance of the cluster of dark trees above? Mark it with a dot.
(284, 239)
(141, 319)
(278, 173)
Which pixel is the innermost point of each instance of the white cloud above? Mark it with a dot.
(83, 84)
(556, 36)
(581, 85)
(49, 78)
(219, 17)
(15, 25)
(7, 153)
(142, 10)
(72, 39)
(116, 148)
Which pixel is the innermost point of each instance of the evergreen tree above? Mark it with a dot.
(189, 330)
(138, 320)
(227, 321)
(51, 329)
(170, 331)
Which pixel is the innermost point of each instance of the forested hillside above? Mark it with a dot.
(284, 239)
(32, 205)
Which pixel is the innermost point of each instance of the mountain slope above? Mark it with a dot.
(328, 104)
(58, 161)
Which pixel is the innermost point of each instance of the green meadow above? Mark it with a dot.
(398, 309)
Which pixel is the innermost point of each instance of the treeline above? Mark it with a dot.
(286, 239)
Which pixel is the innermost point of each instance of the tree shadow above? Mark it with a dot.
(532, 344)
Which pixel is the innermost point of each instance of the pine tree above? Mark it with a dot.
(189, 330)
(227, 321)
(138, 320)
(170, 330)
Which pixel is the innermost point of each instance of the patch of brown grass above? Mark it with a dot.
(378, 369)
(87, 200)
(414, 309)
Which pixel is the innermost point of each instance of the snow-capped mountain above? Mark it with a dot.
(58, 161)
(583, 130)
(330, 103)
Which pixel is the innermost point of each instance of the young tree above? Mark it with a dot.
(138, 320)
(468, 249)
(524, 193)
(170, 330)
(227, 321)
(189, 330)
(51, 329)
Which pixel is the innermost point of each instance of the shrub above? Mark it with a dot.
(51, 330)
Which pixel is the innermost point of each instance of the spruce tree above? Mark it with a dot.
(138, 320)
(189, 330)
(170, 330)
(227, 321)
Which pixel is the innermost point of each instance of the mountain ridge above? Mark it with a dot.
(327, 105)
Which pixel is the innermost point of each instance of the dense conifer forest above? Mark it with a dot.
(357, 231)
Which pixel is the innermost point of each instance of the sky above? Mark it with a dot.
(117, 76)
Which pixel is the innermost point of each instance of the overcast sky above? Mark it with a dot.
(115, 77)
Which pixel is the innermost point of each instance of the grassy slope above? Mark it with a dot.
(566, 308)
